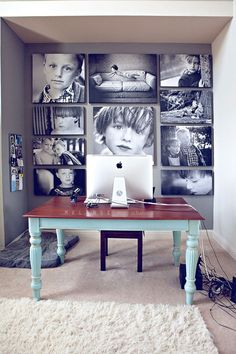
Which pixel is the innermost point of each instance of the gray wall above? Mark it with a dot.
(13, 121)
(203, 203)
(16, 109)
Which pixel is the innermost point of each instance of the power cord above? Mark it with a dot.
(216, 287)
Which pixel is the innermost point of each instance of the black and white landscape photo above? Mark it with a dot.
(124, 130)
(186, 182)
(186, 146)
(186, 106)
(58, 77)
(58, 151)
(186, 70)
(58, 120)
(59, 182)
(122, 78)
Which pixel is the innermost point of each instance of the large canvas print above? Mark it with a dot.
(186, 70)
(123, 130)
(122, 78)
(58, 77)
(59, 182)
(186, 106)
(186, 182)
(58, 151)
(58, 120)
(186, 146)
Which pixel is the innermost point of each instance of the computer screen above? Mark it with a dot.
(135, 171)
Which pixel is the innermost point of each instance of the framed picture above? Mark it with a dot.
(58, 151)
(59, 182)
(186, 145)
(123, 130)
(58, 120)
(186, 70)
(186, 182)
(16, 162)
(122, 78)
(186, 106)
(58, 77)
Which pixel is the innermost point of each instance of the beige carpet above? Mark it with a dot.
(73, 327)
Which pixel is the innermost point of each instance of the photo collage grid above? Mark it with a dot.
(129, 85)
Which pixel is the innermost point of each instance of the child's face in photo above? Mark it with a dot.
(66, 176)
(65, 123)
(123, 140)
(59, 149)
(184, 138)
(193, 65)
(47, 146)
(60, 70)
(198, 185)
(174, 148)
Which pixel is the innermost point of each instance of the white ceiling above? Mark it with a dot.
(117, 29)
(169, 21)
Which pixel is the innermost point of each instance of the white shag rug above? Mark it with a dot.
(71, 327)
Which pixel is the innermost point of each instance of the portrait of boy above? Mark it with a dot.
(58, 120)
(120, 130)
(194, 145)
(63, 78)
(59, 181)
(186, 70)
(67, 121)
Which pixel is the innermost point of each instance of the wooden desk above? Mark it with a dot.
(59, 213)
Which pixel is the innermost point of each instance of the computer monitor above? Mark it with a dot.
(120, 178)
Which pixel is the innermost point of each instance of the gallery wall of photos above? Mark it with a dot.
(122, 89)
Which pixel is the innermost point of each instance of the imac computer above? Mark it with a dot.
(119, 179)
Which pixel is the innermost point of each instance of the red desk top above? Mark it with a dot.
(62, 208)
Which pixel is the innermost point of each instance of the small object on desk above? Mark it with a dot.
(92, 205)
(153, 200)
(74, 196)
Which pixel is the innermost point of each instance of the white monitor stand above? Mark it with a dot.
(119, 195)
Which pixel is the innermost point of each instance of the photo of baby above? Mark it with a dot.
(120, 130)
(59, 182)
(122, 78)
(58, 151)
(186, 182)
(58, 120)
(58, 78)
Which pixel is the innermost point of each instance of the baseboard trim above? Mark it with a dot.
(224, 244)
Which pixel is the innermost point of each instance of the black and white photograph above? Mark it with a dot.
(186, 70)
(59, 182)
(58, 120)
(58, 77)
(122, 78)
(58, 151)
(123, 130)
(186, 106)
(186, 146)
(186, 182)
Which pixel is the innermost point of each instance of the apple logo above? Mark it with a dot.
(119, 165)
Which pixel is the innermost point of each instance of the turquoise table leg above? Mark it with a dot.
(35, 257)
(191, 260)
(60, 245)
(176, 247)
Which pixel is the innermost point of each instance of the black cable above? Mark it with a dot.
(220, 324)
(214, 252)
(217, 288)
